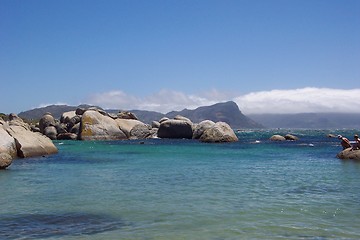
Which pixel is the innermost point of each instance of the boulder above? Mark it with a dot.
(80, 111)
(163, 119)
(75, 129)
(7, 143)
(5, 160)
(219, 132)
(73, 121)
(50, 132)
(155, 124)
(175, 129)
(14, 120)
(67, 136)
(349, 153)
(97, 126)
(30, 144)
(127, 115)
(126, 125)
(277, 137)
(201, 127)
(291, 137)
(179, 117)
(46, 120)
(66, 116)
(140, 131)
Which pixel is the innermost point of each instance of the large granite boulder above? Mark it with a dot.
(140, 131)
(173, 128)
(97, 126)
(349, 153)
(201, 127)
(14, 120)
(220, 132)
(66, 116)
(7, 143)
(50, 132)
(46, 120)
(126, 125)
(30, 144)
(5, 160)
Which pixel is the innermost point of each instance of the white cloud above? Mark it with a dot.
(162, 101)
(302, 100)
(49, 104)
(274, 101)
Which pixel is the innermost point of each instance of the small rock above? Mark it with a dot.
(5, 160)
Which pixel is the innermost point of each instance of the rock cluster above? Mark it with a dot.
(280, 138)
(96, 124)
(18, 140)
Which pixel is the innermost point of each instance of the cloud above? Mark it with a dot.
(162, 101)
(302, 100)
(49, 104)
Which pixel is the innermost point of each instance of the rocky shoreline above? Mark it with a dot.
(19, 139)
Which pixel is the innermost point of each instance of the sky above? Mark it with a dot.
(269, 56)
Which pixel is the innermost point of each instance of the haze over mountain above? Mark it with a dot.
(309, 120)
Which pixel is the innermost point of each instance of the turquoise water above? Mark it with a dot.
(183, 189)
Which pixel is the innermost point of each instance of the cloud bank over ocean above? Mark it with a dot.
(303, 100)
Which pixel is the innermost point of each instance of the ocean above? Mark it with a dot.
(184, 189)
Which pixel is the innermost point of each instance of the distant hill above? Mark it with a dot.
(55, 110)
(309, 120)
(227, 112)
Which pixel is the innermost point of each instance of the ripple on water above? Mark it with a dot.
(34, 226)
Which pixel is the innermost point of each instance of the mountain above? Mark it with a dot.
(309, 120)
(55, 110)
(227, 112)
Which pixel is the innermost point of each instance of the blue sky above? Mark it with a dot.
(267, 55)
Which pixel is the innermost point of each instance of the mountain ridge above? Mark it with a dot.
(227, 112)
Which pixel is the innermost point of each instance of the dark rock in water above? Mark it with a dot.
(35, 226)
(291, 137)
(175, 129)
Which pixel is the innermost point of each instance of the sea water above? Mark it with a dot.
(184, 189)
